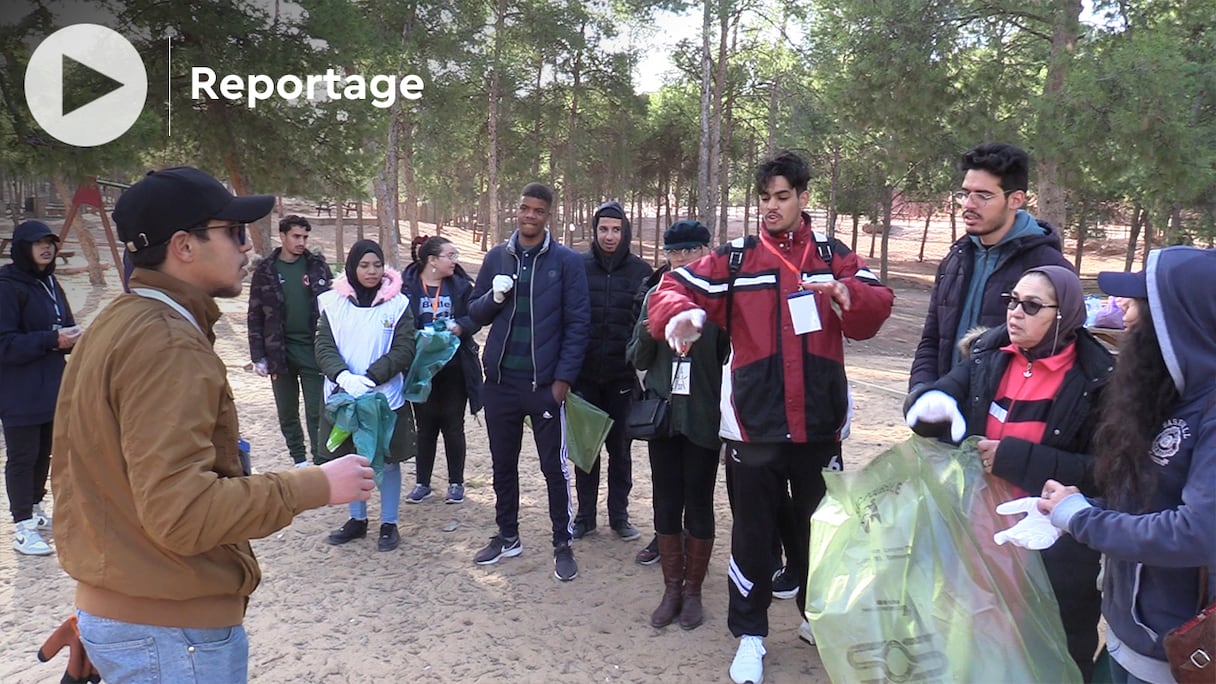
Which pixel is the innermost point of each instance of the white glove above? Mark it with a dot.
(354, 385)
(501, 286)
(935, 406)
(684, 328)
(261, 367)
(1034, 532)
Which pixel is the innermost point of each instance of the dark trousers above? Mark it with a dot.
(1072, 568)
(26, 467)
(443, 412)
(787, 525)
(302, 374)
(683, 475)
(506, 405)
(759, 473)
(614, 398)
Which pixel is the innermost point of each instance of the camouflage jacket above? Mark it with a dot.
(267, 338)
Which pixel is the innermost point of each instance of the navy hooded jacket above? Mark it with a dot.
(560, 315)
(1153, 558)
(31, 363)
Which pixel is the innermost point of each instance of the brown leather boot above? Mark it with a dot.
(671, 558)
(697, 552)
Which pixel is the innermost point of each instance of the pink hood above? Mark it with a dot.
(389, 287)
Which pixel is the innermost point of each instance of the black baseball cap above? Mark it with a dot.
(1120, 284)
(179, 198)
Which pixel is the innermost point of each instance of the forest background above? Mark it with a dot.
(1115, 101)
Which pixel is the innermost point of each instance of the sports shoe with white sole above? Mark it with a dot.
(27, 540)
(804, 633)
(498, 548)
(785, 584)
(41, 518)
(748, 665)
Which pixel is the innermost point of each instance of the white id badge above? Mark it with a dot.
(804, 313)
(680, 378)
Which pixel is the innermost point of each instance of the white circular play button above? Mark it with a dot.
(100, 57)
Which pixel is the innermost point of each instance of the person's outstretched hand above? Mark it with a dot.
(936, 407)
(80, 669)
(1034, 532)
(350, 479)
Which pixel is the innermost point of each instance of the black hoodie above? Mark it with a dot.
(612, 282)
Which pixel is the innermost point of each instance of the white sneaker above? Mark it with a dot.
(804, 633)
(748, 665)
(28, 541)
(42, 520)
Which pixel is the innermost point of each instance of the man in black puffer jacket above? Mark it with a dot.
(607, 379)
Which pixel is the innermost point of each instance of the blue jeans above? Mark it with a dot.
(134, 654)
(390, 497)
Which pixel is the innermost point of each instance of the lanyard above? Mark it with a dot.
(50, 291)
(435, 300)
(162, 297)
(793, 269)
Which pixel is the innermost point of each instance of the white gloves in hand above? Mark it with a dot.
(502, 284)
(261, 367)
(1034, 532)
(935, 406)
(354, 385)
(684, 328)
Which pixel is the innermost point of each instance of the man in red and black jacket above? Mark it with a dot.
(797, 295)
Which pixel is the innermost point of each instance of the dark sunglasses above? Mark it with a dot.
(1031, 308)
(236, 231)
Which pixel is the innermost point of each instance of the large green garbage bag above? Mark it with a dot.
(907, 585)
(432, 351)
(368, 420)
(586, 429)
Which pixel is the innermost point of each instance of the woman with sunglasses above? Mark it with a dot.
(439, 292)
(1031, 388)
(365, 343)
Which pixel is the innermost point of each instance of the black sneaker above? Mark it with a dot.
(352, 529)
(582, 528)
(389, 537)
(498, 548)
(649, 555)
(785, 584)
(564, 567)
(626, 531)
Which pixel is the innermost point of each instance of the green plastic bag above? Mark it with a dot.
(907, 585)
(586, 429)
(369, 420)
(433, 350)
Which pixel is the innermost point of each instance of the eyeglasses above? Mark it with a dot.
(1030, 307)
(980, 197)
(686, 251)
(452, 256)
(236, 231)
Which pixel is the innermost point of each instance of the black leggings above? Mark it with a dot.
(443, 412)
(683, 476)
(26, 467)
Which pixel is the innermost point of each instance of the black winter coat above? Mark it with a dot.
(935, 353)
(1064, 453)
(31, 364)
(466, 355)
(613, 281)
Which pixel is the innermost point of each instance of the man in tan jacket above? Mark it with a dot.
(155, 504)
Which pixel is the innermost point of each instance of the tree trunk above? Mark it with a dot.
(1065, 27)
(705, 159)
(500, 18)
(834, 188)
(259, 230)
(339, 227)
(88, 246)
(1148, 238)
(887, 202)
(924, 237)
(407, 172)
(1082, 233)
(953, 219)
(1130, 257)
(384, 186)
(856, 222)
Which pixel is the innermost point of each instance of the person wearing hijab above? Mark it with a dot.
(37, 330)
(365, 343)
(1032, 388)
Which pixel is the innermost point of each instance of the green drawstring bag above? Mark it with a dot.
(586, 429)
(907, 585)
(433, 349)
(369, 420)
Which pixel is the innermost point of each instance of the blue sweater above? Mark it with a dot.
(1153, 558)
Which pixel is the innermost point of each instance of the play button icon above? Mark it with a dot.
(86, 85)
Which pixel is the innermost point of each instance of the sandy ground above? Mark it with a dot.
(351, 614)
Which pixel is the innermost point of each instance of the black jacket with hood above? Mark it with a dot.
(613, 280)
